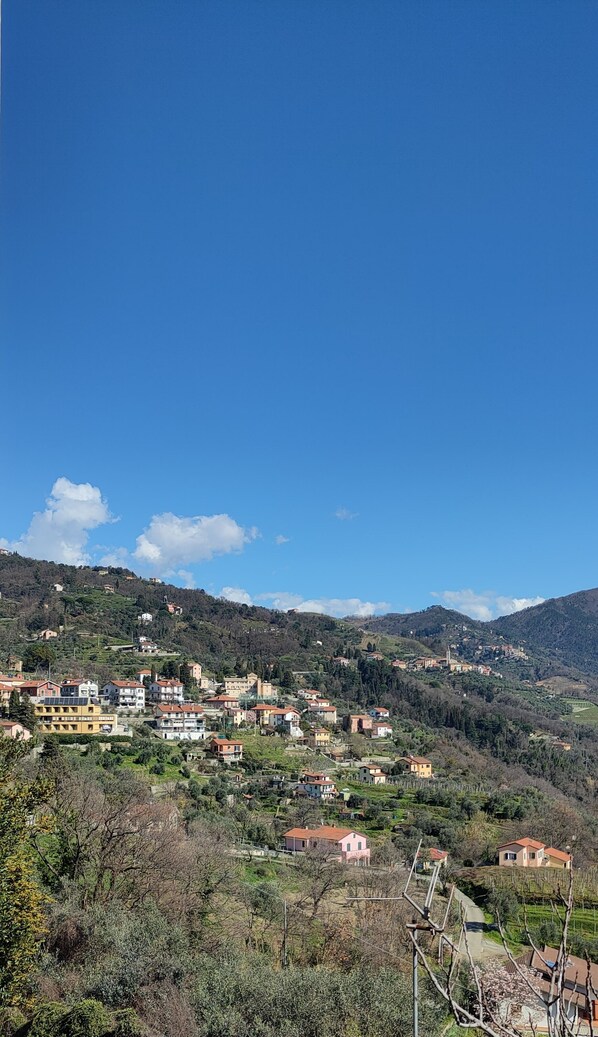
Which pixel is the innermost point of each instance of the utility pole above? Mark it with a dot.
(424, 924)
(285, 929)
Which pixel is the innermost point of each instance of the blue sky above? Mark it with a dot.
(299, 298)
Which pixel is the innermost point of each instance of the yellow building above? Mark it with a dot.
(417, 765)
(318, 738)
(62, 716)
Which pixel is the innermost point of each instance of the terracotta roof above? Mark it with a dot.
(38, 684)
(437, 855)
(324, 831)
(127, 684)
(576, 975)
(559, 854)
(221, 742)
(317, 781)
(415, 759)
(533, 843)
(189, 707)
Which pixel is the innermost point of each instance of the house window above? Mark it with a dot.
(90, 727)
(348, 847)
(532, 856)
(510, 856)
(359, 846)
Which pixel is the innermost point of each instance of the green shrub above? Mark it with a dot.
(47, 1021)
(86, 1019)
(11, 1020)
(127, 1024)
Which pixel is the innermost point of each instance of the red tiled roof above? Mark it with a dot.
(189, 707)
(559, 854)
(533, 843)
(324, 831)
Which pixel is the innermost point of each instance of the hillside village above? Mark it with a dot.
(336, 764)
(212, 720)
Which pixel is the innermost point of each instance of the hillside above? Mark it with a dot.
(566, 629)
(560, 636)
(435, 622)
(98, 609)
(480, 720)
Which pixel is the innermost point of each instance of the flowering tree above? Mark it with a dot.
(514, 999)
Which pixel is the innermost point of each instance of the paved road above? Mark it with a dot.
(480, 947)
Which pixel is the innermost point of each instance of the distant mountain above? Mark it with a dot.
(565, 629)
(98, 607)
(561, 631)
(435, 622)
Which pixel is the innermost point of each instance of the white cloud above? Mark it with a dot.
(486, 605)
(236, 594)
(115, 556)
(284, 600)
(345, 515)
(324, 606)
(188, 579)
(172, 540)
(280, 539)
(506, 606)
(60, 533)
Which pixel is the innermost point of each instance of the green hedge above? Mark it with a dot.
(86, 739)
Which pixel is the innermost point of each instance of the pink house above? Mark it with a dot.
(345, 844)
(12, 729)
(530, 853)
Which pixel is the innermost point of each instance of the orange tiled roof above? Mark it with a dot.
(559, 854)
(324, 831)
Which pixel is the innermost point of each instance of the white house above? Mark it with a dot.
(146, 646)
(372, 775)
(166, 691)
(79, 689)
(325, 713)
(287, 720)
(317, 786)
(145, 617)
(57, 587)
(180, 722)
(380, 729)
(128, 695)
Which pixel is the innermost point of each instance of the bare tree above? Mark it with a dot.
(547, 995)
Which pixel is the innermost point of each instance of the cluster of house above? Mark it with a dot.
(374, 724)
(71, 707)
(445, 662)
